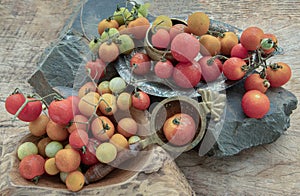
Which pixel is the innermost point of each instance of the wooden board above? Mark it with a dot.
(29, 26)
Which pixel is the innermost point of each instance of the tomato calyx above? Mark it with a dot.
(245, 68)
(109, 18)
(36, 179)
(108, 108)
(105, 127)
(210, 61)
(275, 66)
(216, 33)
(83, 149)
(137, 94)
(176, 121)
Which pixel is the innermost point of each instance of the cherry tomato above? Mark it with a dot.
(96, 69)
(32, 167)
(274, 42)
(78, 139)
(278, 74)
(239, 51)
(233, 68)
(60, 111)
(139, 27)
(107, 23)
(211, 68)
(140, 63)
(140, 100)
(179, 129)
(74, 100)
(14, 102)
(102, 128)
(187, 75)
(255, 104)
(255, 82)
(30, 112)
(177, 29)
(88, 158)
(163, 69)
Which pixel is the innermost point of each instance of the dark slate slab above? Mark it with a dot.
(237, 132)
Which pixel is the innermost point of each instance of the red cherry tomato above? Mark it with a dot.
(163, 69)
(255, 82)
(255, 104)
(74, 100)
(31, 167)
(239, 51)
(187, 75)
(233, 68)
(140, 100)
(211, 68)
(179, 129)
(97, 68)
(78, 139)
(278, 74)
(60, 111)
(89, 157)
(30, 112)
(140, 63)
(14, 102)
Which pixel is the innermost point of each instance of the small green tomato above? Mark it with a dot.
(126, 44)
(117, 85)
(121, 14)
(110, 33)
(266, 43)
(27, 148)
(52, 148)
(94, 45)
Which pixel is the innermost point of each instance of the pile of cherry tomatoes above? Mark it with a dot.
(97, 123)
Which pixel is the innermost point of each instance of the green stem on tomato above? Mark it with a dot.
(212, 59)
(108, 109)
(22, 107)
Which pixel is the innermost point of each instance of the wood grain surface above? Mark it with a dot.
(29, 26)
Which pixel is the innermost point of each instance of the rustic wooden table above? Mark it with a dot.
(29, 26)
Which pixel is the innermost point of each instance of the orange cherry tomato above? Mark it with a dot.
(179, 129)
